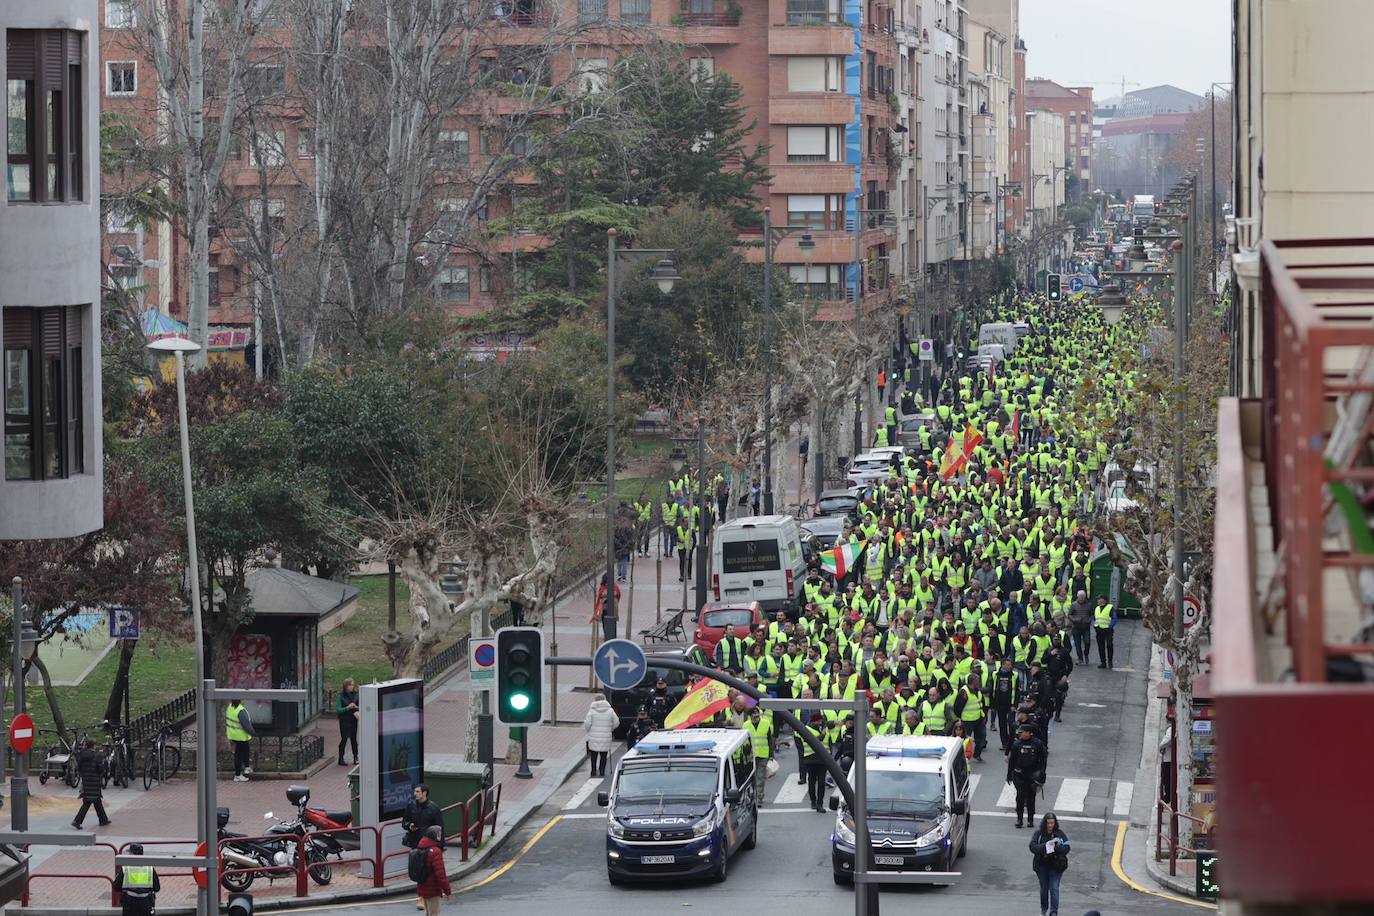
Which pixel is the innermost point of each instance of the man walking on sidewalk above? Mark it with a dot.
(91, 766)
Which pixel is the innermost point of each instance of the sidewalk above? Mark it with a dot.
(1137, 858)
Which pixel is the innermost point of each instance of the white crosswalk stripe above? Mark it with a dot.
(791, 792)
(1072, 794)
(1121, 807)
(1008, 797)
(581, 794)
(973, 781)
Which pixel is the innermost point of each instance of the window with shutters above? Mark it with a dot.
(817, 281)
(815, 144)
(815, 74)
(44, 133)
(43, 395)
(817, 211)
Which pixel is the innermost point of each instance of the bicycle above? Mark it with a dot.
(162, 761)
(118, 756)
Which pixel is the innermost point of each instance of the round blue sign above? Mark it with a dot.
(485, 655)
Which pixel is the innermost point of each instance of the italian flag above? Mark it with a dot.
(840, 560)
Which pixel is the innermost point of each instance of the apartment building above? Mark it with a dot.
(1004, 18)
(1290, 633)
(1075, 105)
(944, 135)
(1047, 169)
(819, 79)
(913, 42)
(990, 113)
(52, 485)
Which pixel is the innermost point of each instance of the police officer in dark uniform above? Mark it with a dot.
(639, 728)
(1026, 771)
(137, 886)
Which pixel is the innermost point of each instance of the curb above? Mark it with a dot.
(549, 783)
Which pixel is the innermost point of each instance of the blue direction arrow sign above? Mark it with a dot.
(1076, 284)
(619, 664)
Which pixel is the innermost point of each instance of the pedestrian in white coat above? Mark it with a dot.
(600, 725)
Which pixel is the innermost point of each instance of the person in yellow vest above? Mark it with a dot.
(968, 707)
(935, 713)
(137, 886)
(811, 765)
(760, 729)
(644, 524)
(1104, 625)
(669, 510)
(238, 728)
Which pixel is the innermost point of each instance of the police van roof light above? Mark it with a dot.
(678, 747)
(926, 753)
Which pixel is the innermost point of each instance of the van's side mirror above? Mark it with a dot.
(960, 807)
(603, 798)
(733, 797)
(834, 803)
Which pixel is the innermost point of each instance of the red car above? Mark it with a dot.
(716, 617)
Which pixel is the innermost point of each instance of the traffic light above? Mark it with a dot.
(519, 675)
(1052, 287)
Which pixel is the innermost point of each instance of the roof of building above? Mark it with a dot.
(1167, 123)
(282, 592)
(1159, 100)
(1049, 89)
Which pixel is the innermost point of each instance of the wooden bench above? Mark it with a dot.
(666, 630)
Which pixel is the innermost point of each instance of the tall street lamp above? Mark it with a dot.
(206, 831)
(772, 235)
(665, 276)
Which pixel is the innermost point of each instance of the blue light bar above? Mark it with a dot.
(928, 753)
(677, 747)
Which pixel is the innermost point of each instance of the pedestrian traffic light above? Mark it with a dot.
(519, 675)
(1052, 287)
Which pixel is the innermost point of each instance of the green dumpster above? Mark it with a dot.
(451, 780)
(1106, 578)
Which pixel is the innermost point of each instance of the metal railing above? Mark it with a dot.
(1177, 851)
(176, 711)
(478, 816)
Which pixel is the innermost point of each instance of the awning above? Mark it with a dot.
(157, 325)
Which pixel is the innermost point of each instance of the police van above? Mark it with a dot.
(918, 808)
(681, 804)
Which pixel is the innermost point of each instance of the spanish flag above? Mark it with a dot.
(703, 701)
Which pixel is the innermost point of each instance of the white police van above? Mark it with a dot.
(918, 807)
(680, 805)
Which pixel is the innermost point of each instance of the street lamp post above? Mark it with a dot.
(772, 235)
(665, 275)
(23, 637)
(705, 516)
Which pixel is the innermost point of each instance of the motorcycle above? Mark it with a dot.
(323, 819)
(265, 857)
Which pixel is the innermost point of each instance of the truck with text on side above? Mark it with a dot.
(1142, 209)
(680, 805)
(918, 808)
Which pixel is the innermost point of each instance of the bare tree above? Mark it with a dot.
(1161, 410)
(199, 50)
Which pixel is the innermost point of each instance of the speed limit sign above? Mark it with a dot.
(1192, 609)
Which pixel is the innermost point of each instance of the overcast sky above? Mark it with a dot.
(1150, 42)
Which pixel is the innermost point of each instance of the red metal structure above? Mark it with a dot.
(1294, 748)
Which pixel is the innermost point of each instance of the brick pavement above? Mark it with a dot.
(167, 810)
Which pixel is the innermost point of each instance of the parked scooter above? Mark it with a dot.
(264, 857)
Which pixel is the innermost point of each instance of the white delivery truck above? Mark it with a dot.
(759, 558)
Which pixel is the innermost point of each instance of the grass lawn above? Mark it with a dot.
(355, 648)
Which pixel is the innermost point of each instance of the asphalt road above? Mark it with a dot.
(556, 862)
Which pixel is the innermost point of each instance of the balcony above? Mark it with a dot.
(1292, 528)
(803, 33)
(811, 108)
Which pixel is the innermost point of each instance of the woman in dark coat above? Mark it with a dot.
(1050, 849)
(91, 765)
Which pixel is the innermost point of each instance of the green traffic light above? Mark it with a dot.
(519, 701)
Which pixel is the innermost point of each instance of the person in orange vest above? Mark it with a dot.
(882, 382)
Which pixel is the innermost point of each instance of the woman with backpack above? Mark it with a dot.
(1050, 850)
(426, 868)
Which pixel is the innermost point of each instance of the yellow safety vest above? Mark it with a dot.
(973, 706)
(233, 729)
(933, 716)
(138, 877)
(758, 737)
(1102, 616)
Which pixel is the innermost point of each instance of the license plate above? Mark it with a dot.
(888, 860)
(737, 591)
(657, 860)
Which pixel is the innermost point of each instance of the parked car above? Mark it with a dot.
(716, 617)
(825, 529)
(626, 703)
(909, 428)
(836, 502)
(868, 468)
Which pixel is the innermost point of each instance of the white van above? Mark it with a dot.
(918, 808)
(999, 332)
(759, 558)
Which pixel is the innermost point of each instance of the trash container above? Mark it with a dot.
(453, 780)
(1106, 578)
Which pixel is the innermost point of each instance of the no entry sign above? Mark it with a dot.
(21, 733)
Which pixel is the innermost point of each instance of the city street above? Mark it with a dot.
(556, 863)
